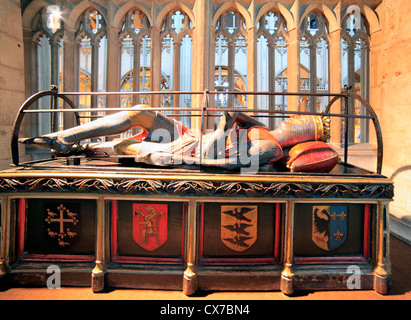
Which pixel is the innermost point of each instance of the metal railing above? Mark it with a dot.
(204, 111)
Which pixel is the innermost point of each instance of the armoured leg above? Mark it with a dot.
(110, 125)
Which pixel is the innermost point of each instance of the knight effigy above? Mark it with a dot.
(299, 141)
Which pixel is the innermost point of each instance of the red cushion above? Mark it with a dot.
(312, 156)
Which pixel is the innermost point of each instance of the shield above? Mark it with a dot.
(329, 227)
(150, 225)
(238, 226)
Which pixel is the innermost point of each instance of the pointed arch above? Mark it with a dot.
(288, 17)
(330, 16)
(172, 6)
(74, 18)
(232, 5)
(370, 16)
(124, 9)
(31, 12)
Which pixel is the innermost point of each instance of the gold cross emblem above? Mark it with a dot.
(59, 218)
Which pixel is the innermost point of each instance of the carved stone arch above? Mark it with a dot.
(370, 17)
(186, 30)
(74, 18)
(124, 9)
(324, 33)
(82, 29)
(173, 6)
(39, 34)
(280, 9)
(124, 35)
(31, 12)
(235, 6)
(280, 33)
(318, 7)
(170, 33)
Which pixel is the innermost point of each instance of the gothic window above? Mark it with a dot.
(48, 33)
(92, 60)
(230, 59)
(272, 63)
(355, 71)
(176, 60)
(135, 57)
(314, 62)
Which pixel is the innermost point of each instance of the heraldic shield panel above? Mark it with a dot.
(330, 230)
(147, 229)
(241, 231)
(58, 226)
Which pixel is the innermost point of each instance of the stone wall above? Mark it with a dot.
(11, 73)
(392, 95)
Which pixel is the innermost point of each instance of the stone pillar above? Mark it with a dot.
(271, 80)
(176, 73)
(203, 58)
(231, 77)
(335, 84)
(155, 66)
(293, 57)
(30, 77)
(252, 68)
(94, 72)
(69, 73)
(113, 60)
(136, 71)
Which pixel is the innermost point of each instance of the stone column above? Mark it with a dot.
(155, 66)
(203, 58)
(293, 58)
(94, 72)
(271, 80)
(54, 80)
(113, 60)
(231, 77)
(252, 68)
(335, 83)
(69, 73)
(136, 71)
(30, 76)
(176, 73)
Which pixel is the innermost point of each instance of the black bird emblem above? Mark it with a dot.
(239, 215)
(321, 222)
(239, 228)
(239, 241)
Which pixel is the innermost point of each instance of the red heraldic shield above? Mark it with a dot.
(150, 225)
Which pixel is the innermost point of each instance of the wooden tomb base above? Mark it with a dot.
(106, 225)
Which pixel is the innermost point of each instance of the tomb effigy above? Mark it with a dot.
(237, 208)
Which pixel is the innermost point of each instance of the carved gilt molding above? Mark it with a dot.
(198, 188)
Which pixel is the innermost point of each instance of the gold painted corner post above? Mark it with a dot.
(4, 242)
(190, 276)
(98, 273)
(382, 270)
(287, 274)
